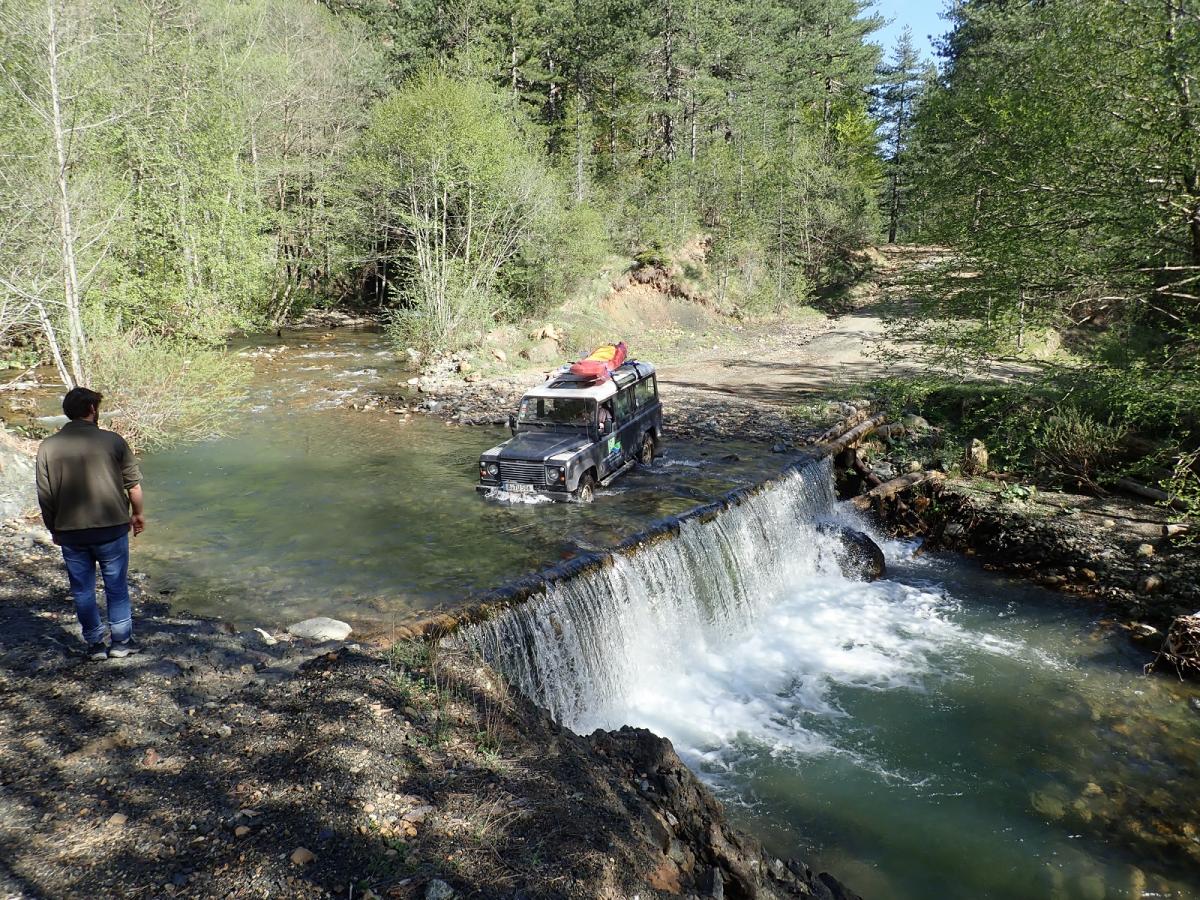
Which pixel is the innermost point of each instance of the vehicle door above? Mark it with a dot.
(624, 428)
(611, 450)
(645, 395)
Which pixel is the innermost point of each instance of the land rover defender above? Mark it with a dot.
(573, 434)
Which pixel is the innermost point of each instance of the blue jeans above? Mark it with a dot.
(113, 558)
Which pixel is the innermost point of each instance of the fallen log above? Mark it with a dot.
(1149, 493)
(891, 488)
(867, 473)
(841, 427)
(836, 445)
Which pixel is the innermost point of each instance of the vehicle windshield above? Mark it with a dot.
(556, 411)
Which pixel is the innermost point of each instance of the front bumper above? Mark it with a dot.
(541, 490)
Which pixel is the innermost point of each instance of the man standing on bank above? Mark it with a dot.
(88, 483)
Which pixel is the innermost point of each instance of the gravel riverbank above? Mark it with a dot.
(1111, 550)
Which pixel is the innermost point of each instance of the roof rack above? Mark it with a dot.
(625, 374)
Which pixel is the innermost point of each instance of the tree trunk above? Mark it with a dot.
(666, 121)
(894, 207)
(52, 343)
(77, 342)
(1021, 321)
(1181, 82)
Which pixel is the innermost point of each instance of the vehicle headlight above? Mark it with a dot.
(493, 469)
(554, 474)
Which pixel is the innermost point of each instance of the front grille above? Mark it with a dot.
(523, 472)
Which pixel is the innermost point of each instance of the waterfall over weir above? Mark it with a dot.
(588, 644)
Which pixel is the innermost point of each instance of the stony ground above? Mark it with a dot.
(218, 764)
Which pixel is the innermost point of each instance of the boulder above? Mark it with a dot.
(858, 557)
(718, 861)
(320, 628)
(17, 493)
(544, 351)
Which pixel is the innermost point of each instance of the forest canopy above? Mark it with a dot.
(173, 172)
(180, 170)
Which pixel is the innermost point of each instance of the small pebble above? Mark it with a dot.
(302, 856)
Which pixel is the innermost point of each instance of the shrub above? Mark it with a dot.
(160, 391)
(1072, 444)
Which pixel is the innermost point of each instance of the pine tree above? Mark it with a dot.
(902, 80)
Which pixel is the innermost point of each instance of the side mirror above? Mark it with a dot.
(605, 427)
(512, 423)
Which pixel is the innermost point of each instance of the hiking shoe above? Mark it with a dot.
(122, 649)
(97, 650)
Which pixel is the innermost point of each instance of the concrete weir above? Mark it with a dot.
(482, 607)
(581, 637)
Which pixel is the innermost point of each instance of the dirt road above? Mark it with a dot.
(791, 365)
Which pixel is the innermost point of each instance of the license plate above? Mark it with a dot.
(515, 487)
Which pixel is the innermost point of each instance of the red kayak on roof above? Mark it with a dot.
(600, 362)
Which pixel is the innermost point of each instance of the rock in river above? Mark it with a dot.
(859, 557)
(320, 628)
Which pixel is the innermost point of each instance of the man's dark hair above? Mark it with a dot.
(79, 402)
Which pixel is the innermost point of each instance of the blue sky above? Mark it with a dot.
(922, 16)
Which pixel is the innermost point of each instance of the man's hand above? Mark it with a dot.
(137, 522)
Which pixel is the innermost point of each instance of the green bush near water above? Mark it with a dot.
(161, 391)
(1078, 429)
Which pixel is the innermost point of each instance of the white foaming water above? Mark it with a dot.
(736, 635)
(504, 496)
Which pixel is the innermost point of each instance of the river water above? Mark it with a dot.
(307, 506)
(944, 733)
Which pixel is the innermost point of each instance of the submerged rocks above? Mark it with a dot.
(858, 556)
(320, 628)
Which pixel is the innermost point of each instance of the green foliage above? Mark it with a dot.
(1071, 444)
(161, 391)
(455, 166)
(1184, 486)
(1058, 155)
(1074, 197)
(903, 80)
(466, 218)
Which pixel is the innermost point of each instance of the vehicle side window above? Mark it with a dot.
(624, 404)
(645, 392)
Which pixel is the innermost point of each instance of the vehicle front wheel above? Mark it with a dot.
(586, 492)
(646, 451)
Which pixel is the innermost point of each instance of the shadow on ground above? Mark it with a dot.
(193, 770)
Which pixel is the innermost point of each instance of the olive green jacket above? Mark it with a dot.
(84, 474)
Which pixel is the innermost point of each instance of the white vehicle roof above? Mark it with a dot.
(559, 386)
